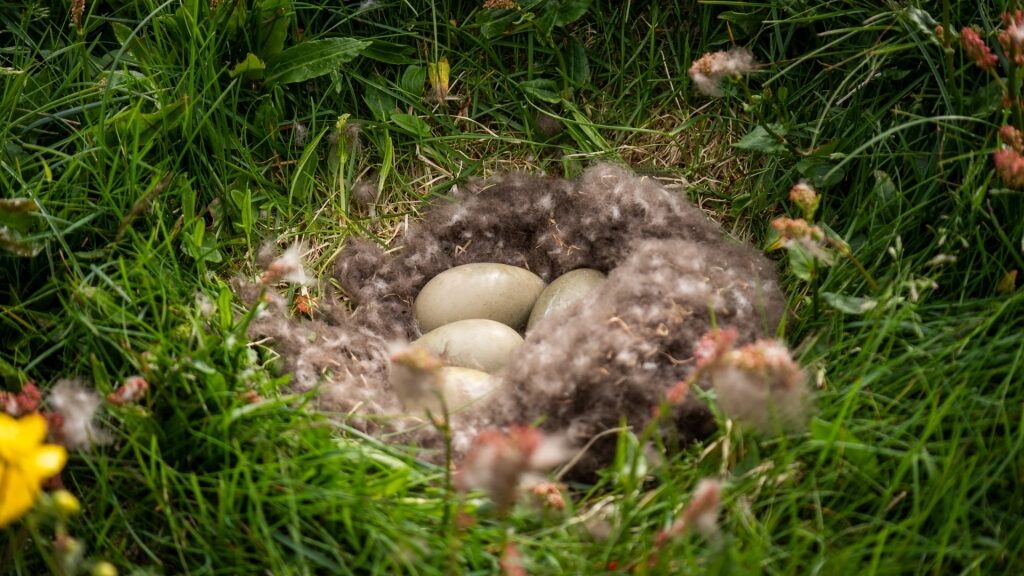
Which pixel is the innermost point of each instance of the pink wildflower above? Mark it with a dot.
(1012, 37)
(1010, 167)
(677, 393)
(289, 267)
(21, 403)
(797, 232)
(762, 386)
(130, 392)
(551, 494)
(500, 462)
(794, 228)
(804, 196)
(977, 50)
(701, 514)
(710, 69)
(512, 561)
(1012, 137)
(712, 345)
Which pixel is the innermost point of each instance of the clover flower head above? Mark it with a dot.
(977, 50)
(1010, 167)
(1012, 137)
(806, 197)
(25, 463)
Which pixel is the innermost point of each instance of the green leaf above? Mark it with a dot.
(803, 265)
(566, 11)
(413, 80)
(274, 19)
(494, 23)
(252, 67)
(390, 52)
(412, 124)
(577, 62)
(849, 304)
(838, 437)
(819, 172)
(759, 140)
(301, 190)
(379, 102)
(313, 59)
(546, 90)
(131, 126)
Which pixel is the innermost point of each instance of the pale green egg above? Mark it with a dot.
(564, 291)
(489, 291)
(479, 344)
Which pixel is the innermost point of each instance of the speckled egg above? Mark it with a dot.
(496, 292)
(563, 292)
(479, 344)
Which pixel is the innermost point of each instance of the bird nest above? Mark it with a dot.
(672, 275)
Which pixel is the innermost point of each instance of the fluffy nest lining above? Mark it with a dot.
(672, 275)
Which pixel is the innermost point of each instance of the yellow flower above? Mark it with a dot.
(438, 73)
(25, 462)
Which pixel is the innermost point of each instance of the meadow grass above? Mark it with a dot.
(159, 175)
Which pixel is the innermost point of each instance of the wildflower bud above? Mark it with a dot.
(677, 393)
(131, 391)
(977, 50)
(795, 228)
(77, 11)
(804, 196)
(66, 503)
(21, 403)
(1012, 37)
(251, 397)
(103, 569)
(1012, 137)
(416, 377)
(551, 494)
(305, 305)
(709, 70)
(288, 268)
(511, 561)
(500, 462)
(712, 345)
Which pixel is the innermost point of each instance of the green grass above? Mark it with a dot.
(159, 176)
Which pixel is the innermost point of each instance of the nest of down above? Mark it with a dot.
(672, 275)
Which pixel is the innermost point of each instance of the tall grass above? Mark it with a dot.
(159, 174)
